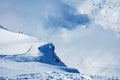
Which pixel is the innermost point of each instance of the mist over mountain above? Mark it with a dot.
(85, 32)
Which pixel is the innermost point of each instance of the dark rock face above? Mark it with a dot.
(49, 56)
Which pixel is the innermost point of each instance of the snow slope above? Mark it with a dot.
(19, 52)
(12, 43)
(22, 48)
(10, 68)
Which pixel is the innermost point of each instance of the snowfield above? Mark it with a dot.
(85, 32)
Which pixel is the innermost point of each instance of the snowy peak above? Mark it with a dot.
(19, 50)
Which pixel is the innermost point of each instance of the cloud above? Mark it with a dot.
(103, 12)
(68, 21)
(65, 16)
(40, 14)
(89, 50)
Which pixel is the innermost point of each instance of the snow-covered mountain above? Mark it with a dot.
(20, 53)
(26, 57)
(83, 33)
(23, 48)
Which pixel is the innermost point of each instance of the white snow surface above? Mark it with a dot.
(10, 68)
(14, 43)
